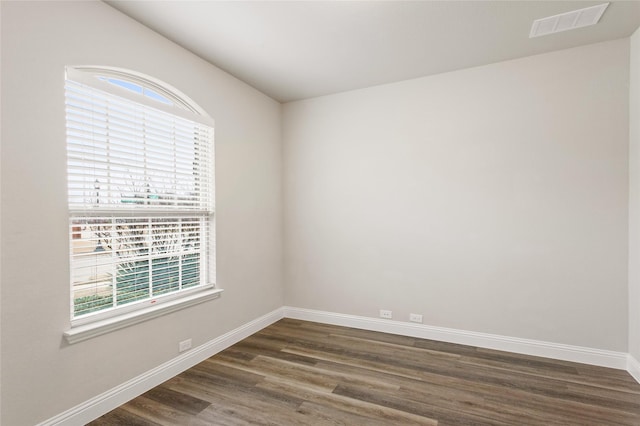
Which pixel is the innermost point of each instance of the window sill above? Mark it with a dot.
(88, 331)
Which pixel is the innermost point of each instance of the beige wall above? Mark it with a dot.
(492, 199)
(42, 375)
(634, 198)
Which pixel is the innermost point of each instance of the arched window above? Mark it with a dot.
(141, 193)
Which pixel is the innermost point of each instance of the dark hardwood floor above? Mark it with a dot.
(303, 373)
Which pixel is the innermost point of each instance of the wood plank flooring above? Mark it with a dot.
(303, 373)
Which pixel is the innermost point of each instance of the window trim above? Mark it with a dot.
(140, 305)
(98, 323)
(182, 106)
(86, 331)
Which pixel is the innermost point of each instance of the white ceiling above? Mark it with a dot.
(295, 50)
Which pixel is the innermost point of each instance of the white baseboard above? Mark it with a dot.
(633, 367)
(101, 404)
(490, 341)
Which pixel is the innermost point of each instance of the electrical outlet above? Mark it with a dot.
(415, 318)
(385, 314)
(184, 345)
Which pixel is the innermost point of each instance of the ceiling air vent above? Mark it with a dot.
(567, 21)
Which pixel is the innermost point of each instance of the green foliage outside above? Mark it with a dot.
(132, 282)
(85, 304)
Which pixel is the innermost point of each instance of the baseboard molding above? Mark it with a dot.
(633, 367)
(618, 360)
(101, 404)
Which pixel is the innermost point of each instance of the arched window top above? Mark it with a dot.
(139, 88)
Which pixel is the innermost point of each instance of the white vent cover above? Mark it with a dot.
(567, 21)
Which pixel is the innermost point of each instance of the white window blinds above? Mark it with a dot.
(140, 192)
(123, 154)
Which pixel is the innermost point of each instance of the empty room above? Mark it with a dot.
(319, 212)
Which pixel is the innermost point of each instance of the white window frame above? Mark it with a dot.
(103, 321)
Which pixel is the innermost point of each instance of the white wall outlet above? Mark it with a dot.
(415, 318)
(184, 345)
(385, 314)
